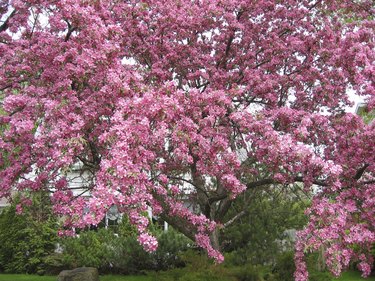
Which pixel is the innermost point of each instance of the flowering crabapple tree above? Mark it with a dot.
(201, 100)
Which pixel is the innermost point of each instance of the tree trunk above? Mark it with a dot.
(215, 239)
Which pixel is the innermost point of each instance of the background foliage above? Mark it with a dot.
(27, 239)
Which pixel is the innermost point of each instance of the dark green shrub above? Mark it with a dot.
(262, 232)
(236, 258)
(27, 239)
(196, 259)
(89, 248)
(121, 252)
(128, 257)
(171, 245)
(284, 267)
(55, 263)
(249, 272)
(200, 267)
(269, 277)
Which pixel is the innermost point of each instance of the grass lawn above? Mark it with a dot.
(353, 276)
(347, 276)
(123, 278)
(25, 277)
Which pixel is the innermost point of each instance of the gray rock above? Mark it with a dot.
(79, 274)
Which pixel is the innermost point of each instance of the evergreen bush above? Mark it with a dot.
(27, 239)
(120, 252)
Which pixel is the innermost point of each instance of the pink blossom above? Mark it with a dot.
(149, 243)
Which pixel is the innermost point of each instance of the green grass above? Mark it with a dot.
(347, 276)
(25, 277)
(123, 278)
(353, 276)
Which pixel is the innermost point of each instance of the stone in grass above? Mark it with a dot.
(79, 274)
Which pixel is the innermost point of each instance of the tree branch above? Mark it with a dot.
(186, 228)
(260, 183)
(216, 198)
(236, 217)
(181, 179)
(180, 225)
(5, 26)
(360, 172)
(71, 29)
(369, 182)
(316, 182)
(17, 110)
(223, 209)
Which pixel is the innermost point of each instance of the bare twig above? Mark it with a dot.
(235, 218)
